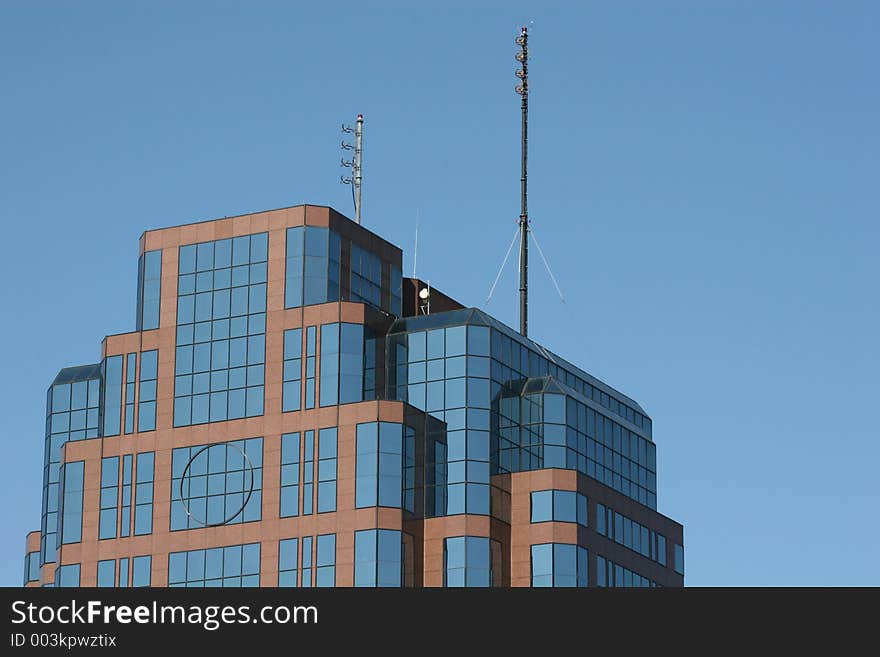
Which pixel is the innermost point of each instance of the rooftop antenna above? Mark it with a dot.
(523, 90)
(356, 164)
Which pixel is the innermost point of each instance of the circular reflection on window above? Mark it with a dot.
(216, 484)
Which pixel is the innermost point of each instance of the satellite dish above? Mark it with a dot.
(424, 293)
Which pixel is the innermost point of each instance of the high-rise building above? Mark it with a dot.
(291, 411)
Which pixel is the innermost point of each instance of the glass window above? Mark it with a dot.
(231, 566)
(559, 565)
(149, 290)
(366, 276)
(467, 562)
(327, 470)
(478, 340)
(542, 506)
(67, 575)
(147, 391)
(143, 519)
(312, 266)
(141, 574)
(107, 527)
(287, 561)
(379, 464)
(307, 561)
(559, 505)
(291, 397)
(378, 558)
(107, 573)
(112, 367)
(679, 558)
(290, 446)
(325, 561)
(70, 529)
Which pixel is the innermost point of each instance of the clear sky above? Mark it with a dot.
(704, 182)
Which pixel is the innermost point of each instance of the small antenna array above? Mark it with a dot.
(355, 180)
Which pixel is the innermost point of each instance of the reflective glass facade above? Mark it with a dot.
(525, 408)
(221, 330)
(72, 413)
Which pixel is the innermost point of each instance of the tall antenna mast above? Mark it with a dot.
(523, 90)
(356, 164)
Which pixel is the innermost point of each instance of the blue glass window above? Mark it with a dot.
(631, 534)
(32, 567)
(342, 363)
(67, 575)
(366, 276)
(307, 561)
(125, 502)
(679, 558)
(141, 574)
(382, 448)
(312, 267)
(290, 474)
(123, 572)
(311, 351)
(559, 505)
(325, 561)
(147, 393)
(559, 564)
(308, 476)
(467, 561)
(327, 439)
(143, 510)
(112, 395)
(72, 478)
(329, 365)
(378, 558)
(288, 549)
(291, 393)
(149, 290)
(130, 370)
(107, 573)
(107, 526)
(610, 574)
(217, 484)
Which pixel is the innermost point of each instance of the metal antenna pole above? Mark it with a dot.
(523, 90)
(358, 163)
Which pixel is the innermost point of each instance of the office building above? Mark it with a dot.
(291, 411)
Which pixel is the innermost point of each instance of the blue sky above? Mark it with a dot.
(703, 181)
